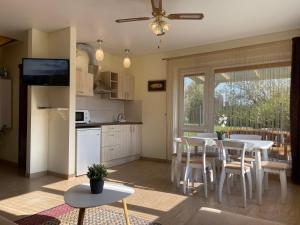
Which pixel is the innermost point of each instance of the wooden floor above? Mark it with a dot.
(155, 198)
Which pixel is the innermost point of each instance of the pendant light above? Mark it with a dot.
(127, 61)
(99, 51)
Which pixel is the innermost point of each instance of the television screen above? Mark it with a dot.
(49, 72)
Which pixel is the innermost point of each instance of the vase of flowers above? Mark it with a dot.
(222, 121)
(96, 174)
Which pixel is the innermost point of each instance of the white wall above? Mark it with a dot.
(151, 67)
(11, 56)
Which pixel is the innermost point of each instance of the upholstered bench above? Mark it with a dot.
(209, 216)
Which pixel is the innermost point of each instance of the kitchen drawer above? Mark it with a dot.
(111, 152)
(111, 138)
(111, 128)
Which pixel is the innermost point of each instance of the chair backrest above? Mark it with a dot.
(178, 148)
(207, 135)
(198, 143)
(245, 137)
(238, 146)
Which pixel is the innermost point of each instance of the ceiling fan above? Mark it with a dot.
(158, 26)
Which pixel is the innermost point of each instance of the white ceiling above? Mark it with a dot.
(224, 20)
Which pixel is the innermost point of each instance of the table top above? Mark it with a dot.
(80, 196)
(252, 144)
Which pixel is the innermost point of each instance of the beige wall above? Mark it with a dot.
(51, 132)
(151, 67)
(11, 58)
(154, 104)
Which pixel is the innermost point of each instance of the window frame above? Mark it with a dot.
(207, 107)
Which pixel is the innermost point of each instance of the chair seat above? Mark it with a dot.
(197, 159)
(247, 159)
(237, 166)
(274, 165)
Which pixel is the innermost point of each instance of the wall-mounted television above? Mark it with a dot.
(45, 72)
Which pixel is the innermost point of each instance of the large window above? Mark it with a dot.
(192, 102)
(256, 101)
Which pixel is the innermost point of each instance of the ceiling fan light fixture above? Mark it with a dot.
(99, 51)
(127, 61)
(159, 27)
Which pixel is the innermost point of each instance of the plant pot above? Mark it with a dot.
(221, 136)
(96, 186)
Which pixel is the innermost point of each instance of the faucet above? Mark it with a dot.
(121, 117)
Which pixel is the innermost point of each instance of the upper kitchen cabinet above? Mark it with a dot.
(122, 85)
(128, 87)
(84, 83)
(5, 103)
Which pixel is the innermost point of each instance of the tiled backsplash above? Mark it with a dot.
(101, 110)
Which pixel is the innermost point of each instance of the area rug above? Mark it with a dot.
(66, 215)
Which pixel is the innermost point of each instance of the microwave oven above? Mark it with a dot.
(82, 116)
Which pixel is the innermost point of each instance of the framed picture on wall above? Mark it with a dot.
(157, 85)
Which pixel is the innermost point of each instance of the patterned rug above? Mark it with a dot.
(64, 214)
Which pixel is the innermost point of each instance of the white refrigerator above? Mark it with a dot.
(88, 149)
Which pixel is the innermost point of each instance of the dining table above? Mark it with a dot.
(260, 147)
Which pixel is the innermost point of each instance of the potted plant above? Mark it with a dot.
(96, 174)
(222, 124)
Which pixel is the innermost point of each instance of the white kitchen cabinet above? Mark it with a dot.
(128, 87)
(122, 85)
(84, 83)
(5, 103)
(121, 143)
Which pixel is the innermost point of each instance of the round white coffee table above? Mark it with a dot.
(80, 196)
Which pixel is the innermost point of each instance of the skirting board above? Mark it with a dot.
(155, 160)
(8, 163)
(117, 162)
(44, 173)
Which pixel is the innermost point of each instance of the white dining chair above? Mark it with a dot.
(230, 168)
(176, 165)
(276, 168)
(249, 158)
(195, 162)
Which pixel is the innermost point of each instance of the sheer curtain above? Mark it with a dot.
(213, 61)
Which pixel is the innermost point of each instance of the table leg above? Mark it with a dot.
(126, 212)
(81, 216)
(258, 176)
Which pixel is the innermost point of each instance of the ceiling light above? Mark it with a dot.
(159, 27)
(99, 51)
(127, 61)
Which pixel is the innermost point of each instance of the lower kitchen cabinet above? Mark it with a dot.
(121, 143)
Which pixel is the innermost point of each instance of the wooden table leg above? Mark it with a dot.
(81, 216)
(126, 212)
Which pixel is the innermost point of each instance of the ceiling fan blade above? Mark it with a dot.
(156, 5)
(132, 19)
(186, 16)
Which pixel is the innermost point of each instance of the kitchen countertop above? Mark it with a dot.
(94, 124)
